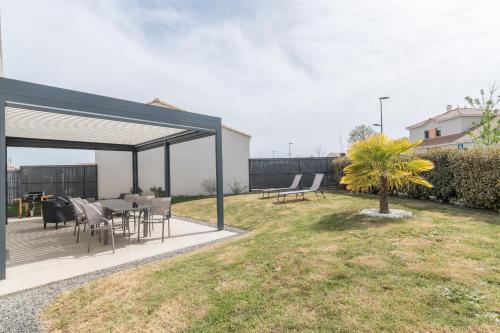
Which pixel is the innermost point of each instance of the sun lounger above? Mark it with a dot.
(315, 187)
(294, 186)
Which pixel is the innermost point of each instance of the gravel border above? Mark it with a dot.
(19, 311)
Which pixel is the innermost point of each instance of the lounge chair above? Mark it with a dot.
(294, 186)
(315, 187)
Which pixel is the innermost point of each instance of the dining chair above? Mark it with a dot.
(146, 199)
(97, 222)
(130, 197)
(80, 217)
(159, 212)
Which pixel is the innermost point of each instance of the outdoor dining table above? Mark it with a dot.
(125, 208)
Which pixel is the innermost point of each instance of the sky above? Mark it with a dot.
(304, 72)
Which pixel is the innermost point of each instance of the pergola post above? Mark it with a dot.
(166, 167)
(3, 191)
(135, 173)
(218, 178)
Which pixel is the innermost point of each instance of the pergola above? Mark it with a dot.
(40, 116)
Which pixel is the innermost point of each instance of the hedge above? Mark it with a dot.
(468, 177)
(338, 166)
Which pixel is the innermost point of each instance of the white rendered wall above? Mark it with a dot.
(114, 173)
(190, 163)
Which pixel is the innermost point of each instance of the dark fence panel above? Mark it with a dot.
(279, 172)
(72, 180)
(13, 185)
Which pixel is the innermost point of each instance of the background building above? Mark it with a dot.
(448, 129)
(191, 163)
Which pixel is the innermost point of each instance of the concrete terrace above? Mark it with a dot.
(38, 256)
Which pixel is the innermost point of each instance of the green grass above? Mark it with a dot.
(13, 210)
(185, 198)
(308, 266)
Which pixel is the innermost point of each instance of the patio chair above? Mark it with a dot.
(141, 200)
(158, 213)
(315, 187)
(294, 186)
(80, 217)
(97, 222)
(130, 197)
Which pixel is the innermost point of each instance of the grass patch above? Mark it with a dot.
(307, 266)
(186, 198)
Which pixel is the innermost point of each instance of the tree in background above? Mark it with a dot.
(378, 162)
(361, 132)
(489, 125)
(318, 151)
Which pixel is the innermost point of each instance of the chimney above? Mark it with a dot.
(449, 108)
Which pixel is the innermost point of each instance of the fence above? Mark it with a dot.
(13, 185)
(65, 180)
(279, 172)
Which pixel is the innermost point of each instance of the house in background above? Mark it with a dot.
(191, 163)
(447, 130)
(335, 155)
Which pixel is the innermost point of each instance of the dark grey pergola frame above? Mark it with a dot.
(31, 96)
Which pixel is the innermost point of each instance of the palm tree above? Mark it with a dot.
(378, 162)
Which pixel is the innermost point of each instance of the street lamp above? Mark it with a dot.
(274, 152)
(290, 149)
(381, 125)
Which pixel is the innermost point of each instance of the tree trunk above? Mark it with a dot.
(384, 195)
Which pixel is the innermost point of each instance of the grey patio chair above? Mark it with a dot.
(294, 186)
(80, 217)
(158, 213)
(97, 222)
(315, 187)
(130, 197)
(141, 200)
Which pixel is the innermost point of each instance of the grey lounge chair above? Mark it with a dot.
(315, 187)
(294, 186)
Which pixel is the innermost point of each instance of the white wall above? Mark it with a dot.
(114, 173)
(190, 163)
(467, 122)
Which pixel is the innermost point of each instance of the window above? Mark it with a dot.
(426, 134)
(438, 131)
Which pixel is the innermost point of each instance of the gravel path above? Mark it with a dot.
(19, 312)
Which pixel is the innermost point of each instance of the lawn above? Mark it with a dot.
(308, 266)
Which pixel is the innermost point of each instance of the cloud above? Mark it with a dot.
(285, 71)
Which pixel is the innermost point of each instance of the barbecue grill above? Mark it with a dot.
(27, 203)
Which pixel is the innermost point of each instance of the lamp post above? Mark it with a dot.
(381, 125)
(290, 149)
(274, 152)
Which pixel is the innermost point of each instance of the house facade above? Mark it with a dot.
(191, 163)
(447, 130)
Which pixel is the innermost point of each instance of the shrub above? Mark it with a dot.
(441, 177)
(208, 185)
(338, 166)
(470, 177)
(476, 177)
(157, 191)
(236, 187)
